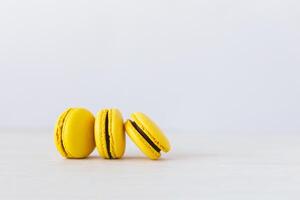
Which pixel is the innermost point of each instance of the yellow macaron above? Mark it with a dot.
(109, 134)
(74, 133)
(147, 135)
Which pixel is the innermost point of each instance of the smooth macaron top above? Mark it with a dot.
(147, 135)
(109, 133)
(152, 130)
(74, 133)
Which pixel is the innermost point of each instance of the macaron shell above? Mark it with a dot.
(152, 130)
(115, 131)
(117, 136)
(99, 133)
(78, 133)
(140, 142)
(58, 132)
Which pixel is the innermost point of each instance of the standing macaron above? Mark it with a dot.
(147, 135)
(74, 133)
(109, 134)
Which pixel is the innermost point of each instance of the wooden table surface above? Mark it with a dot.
(200, 166)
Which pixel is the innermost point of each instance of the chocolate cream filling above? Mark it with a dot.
(144, 135)
(107, 139)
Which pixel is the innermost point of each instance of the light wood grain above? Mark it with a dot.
(200, 166)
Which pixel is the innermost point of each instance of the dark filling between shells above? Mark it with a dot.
(144, 135)
(107, 136)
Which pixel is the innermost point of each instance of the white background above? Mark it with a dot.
(196, 67)
(205, 66)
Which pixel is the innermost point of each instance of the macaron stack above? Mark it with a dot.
(78, 132)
